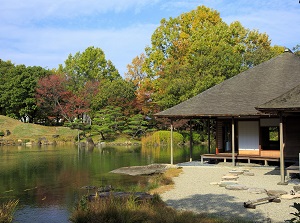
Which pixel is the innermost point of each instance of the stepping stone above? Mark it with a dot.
(256, 190)
(296, 188)
(230, 174)
(230, 177)
(290, 196)
(248, 174)
(276, 192)
(238, 172)
(225, 183)
(236, 187)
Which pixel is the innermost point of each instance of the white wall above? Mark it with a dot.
(248, 133)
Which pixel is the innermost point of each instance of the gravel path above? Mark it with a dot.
(193, 191)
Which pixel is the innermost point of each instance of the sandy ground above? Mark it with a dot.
(193, 191)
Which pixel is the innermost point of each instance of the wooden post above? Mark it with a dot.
(171, 142)
(208, 132)
(191, 141)
(282, 180)
(232, 141)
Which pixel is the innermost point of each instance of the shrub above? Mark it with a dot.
(2, 133)
(162, 138)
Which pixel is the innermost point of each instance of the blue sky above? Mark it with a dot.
(45, 32)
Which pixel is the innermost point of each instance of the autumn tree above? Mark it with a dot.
(56, 103)
(143, 85)
(196, 50)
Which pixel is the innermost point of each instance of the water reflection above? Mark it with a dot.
(47, 180)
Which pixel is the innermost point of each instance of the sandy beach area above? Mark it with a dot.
(196, 190)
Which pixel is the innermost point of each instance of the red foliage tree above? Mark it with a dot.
(56, 102)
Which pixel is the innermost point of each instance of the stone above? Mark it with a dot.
(230, 177)
(248, 174)
(141, 170)
(230, 174)
(225, 183)
(296, 188)
(276, 193)
(238, 172)
(256, 190)
(290, 196)
(236, 187)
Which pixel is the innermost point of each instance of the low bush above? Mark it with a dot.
(162, 138)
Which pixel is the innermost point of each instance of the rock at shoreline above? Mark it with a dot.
(142, 170)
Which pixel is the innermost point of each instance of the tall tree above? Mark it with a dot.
(90, 65)
(197, 50)
(17, 90)
(143, 85)
(114, 93)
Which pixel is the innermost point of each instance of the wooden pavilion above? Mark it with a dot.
(249, 109)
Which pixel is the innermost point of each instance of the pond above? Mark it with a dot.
(47, 181)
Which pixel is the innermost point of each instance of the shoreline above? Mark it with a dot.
(193, 191)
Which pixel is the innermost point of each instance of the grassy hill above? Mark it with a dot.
(32, 132)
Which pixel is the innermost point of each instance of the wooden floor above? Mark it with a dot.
(237, 157)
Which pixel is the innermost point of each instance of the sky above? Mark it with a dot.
(44, 32)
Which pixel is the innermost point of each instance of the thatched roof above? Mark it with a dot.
(239, 95)
(289, 101)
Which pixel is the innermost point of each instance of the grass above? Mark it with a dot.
(32, 132)
(163, 182)
(131, 210)
(7, 211)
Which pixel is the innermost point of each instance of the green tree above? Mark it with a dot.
(108, 121)
(196, 50)
(115, 93)
(90, 65)
(136, 125)
(17, 91)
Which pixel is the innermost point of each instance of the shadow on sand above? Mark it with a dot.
(220, 205)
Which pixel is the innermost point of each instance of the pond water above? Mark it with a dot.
(47, 181)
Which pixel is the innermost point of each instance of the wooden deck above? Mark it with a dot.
(237, 157)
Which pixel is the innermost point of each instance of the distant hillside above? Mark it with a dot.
(32, 132)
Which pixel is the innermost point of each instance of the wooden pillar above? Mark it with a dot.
(191, 141)
(282, 180)
(208, 132)
(232, 141)
(172, 142)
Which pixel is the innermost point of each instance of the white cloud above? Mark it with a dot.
(31, 31)
(50, 47)
(21, 11)
(282, 26)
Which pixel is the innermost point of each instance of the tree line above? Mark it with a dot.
(188, 54)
